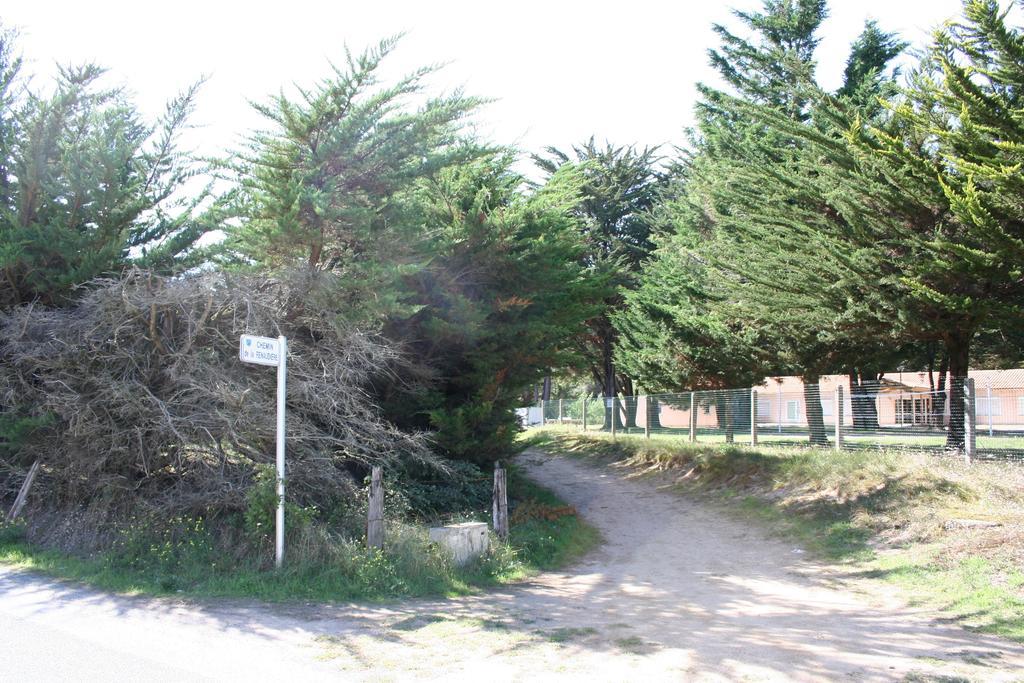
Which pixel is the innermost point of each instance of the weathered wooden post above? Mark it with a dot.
(499, 504)
(19, 502)
(838, 410)
(585, 413)
(753, 417)
(375, 512)
(970, 421)
(693, 416)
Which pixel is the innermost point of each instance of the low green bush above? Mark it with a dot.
(11, 532)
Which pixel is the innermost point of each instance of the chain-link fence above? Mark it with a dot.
(981, 417)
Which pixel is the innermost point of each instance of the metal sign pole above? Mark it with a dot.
(282, 394)
(273, 352)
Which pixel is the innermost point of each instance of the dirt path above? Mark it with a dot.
(679, 592)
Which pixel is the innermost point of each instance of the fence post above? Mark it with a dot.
(499, 504)
(838, 411)
(970, 421)
(779, 411)
(561, 413)
(989, 401)
(693, 416)
(585, 413)
(647, 417)
(375, 513)
(615, 413)
(753, 417)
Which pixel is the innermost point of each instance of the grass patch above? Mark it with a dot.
(633, 645)
(411, 567)
(568, 633)
(983, 593)
(319, 566)
(949, 535)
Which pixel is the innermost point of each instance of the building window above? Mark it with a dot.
(826, 407)
(764, 407)
(1020, 405)
(792, 410)
(913, 411)
(989, 407)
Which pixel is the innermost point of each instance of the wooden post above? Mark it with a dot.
(615, 413)
(561, 411)
(585, 413)
(837, 410)
(375, 513)
(693, 416)
(499, 504)
(753, 417)
(19, 502)
(647, 417)
(970, 421)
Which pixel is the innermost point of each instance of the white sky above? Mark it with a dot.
(560, 70)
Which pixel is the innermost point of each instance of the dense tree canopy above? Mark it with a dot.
(844, 231)
(621, 187)
(795, 231)
(433, 242)
(87, 186)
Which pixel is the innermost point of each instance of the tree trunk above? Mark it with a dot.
(724, 415)
(653, 412)
(939, 395)
(740, 401)
(630, 403)
(812, 401)
(862, 399)
(958, 347)
(608, 385)
(546, 391)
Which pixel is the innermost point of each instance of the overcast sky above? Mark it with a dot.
(560, 71)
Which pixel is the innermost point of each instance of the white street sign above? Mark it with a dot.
(259, 350)
(270, 351)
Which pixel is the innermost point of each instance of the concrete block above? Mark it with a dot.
(465, 541)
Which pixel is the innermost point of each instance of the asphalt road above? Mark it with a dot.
(53, 631)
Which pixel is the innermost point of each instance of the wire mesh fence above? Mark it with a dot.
(981, 416)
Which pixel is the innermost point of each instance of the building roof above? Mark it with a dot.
(898, 381)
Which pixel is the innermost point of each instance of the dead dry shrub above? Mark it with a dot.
(149, 410)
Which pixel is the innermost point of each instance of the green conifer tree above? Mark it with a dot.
(621, 187)
(87, 186)
(321, 188)
(426, 237)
